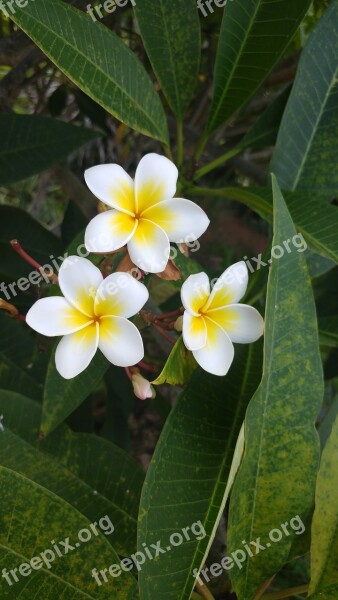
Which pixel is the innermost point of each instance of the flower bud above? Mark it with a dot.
(142, 387)
(179, 324)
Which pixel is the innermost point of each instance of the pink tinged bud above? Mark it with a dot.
(142, 387)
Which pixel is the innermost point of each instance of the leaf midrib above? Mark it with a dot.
(80, 53)
(314, 130)
(220, 102)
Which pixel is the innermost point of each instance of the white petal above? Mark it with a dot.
(55, 316)
(113, 186)
(242, 323)
(155, 181)
(120, 341)
(75, 351)
(109, 231)
(218, 353)
(194, 332)
(120, 295)
(230, 287)
(195, 292)
(149, 247)
(79, 280)
(182, 220)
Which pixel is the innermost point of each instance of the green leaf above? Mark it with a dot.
(16, 340)
(30, 144)
(265, 130)
(63, 396)
(43, 518)
(35, 239)
(328, 331)
(190, 471)
(97, 61)
(276, 480)
(306, 153)
(316, 220)
(329, 593)
(16, 378)
(253, 37)
(324, 538)
(94, 476)
(171, 35)
(179, 366)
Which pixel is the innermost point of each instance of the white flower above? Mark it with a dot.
(145, 214)
(142, 387)
(92, 314)
(213, 321)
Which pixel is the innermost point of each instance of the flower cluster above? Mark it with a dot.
(93, 313)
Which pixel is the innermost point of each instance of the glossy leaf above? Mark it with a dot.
(316, 220)
(171, 34)
(281, 444)
(306, 153)
(324, 538)
(97, 61)
(253, 37)
(51, 518)
(188, 476)
(17, 379)
(329, 593)
(93, 475)
(35, 239)
(265, 130)
(30, 144)
(328, 330)
(16, 340)
(62, 396)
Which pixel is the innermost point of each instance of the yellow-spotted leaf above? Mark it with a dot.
(34, 524)
(324, 539)
(275, 484)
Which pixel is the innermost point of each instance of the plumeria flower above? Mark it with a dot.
(213, 321)
(145, 215)
(92, 314)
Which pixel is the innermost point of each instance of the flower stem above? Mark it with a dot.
(217, 162)
(128, 373)
(13, 311)
(168, 152)
(180, 142)
(164, 334)
(280, 594)
(168, 315)
(33, 263)
(204, 591)
(146, 367)
(201, 145)
(242, 195)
